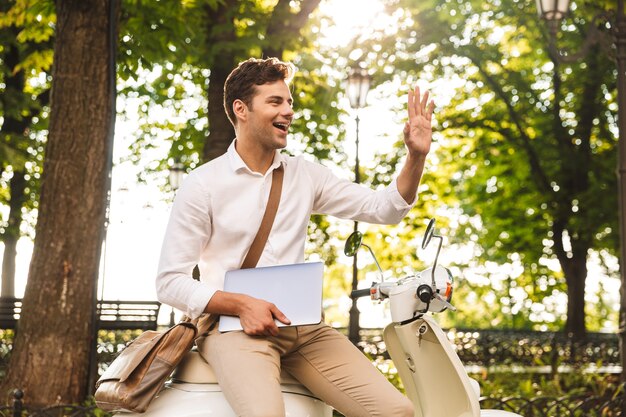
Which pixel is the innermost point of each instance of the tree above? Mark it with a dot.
(269, 32)
(200, 43)
(529, 141)
(51, 355)
(210, 38)
(26, 53)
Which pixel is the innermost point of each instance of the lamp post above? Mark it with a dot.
(358, 87)
(177, 171)
(553, 11)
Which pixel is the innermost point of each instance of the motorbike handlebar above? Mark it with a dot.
(360, 293)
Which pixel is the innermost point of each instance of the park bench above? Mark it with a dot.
(128, 315)
(112, 315)
(10, 309)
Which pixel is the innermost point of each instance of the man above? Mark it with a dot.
(214, 219)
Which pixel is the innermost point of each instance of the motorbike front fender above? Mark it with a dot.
(432, 373)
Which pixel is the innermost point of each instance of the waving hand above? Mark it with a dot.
(418, 130)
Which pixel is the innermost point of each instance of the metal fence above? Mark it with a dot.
(538, 351)
(542, 351)
(17, 409)
(566, 406)
(546, 352)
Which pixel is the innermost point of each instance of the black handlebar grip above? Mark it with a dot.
(424, 293)
(360, 293)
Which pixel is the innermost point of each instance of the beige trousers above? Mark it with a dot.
(323, 360)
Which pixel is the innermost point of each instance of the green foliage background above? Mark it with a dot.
(514, 155)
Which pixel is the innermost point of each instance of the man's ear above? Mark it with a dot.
(240, 109)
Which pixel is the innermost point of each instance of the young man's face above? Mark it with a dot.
(270, 115)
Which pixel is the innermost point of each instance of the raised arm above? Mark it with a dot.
(417, 138)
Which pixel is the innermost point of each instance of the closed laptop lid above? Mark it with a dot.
(296, 290)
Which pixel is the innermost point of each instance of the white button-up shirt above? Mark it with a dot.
(218, 210)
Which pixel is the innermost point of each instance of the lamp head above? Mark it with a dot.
(358, 86)
(552, 10)
(177, 171)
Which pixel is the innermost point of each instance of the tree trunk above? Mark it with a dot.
(575, 272)
(50, 360)
(620, 44)
(221, 132)
(574, 266)
(221, 32)
(282, 28)
(574, 178)
(12, 233)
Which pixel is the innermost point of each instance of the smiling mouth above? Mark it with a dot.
(282, 126)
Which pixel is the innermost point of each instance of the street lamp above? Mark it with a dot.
(177, 171)
(553, 11)
(358, 86)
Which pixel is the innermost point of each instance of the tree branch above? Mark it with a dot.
(284, 25)
(525, 141)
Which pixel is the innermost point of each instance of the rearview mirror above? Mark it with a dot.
(430, 229)
(353, 243)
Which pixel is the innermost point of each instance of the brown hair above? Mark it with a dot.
(241, 81)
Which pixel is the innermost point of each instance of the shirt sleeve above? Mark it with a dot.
(348, 200)
(187, 233)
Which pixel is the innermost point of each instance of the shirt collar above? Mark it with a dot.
(237, 164)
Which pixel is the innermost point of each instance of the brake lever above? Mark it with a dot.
(444, 301)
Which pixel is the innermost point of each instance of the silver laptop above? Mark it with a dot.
(295, 289)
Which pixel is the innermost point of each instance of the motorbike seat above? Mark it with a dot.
(194, 369)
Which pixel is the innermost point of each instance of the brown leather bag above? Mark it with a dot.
(140, 371)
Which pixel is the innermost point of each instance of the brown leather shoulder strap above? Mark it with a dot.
(258, 244)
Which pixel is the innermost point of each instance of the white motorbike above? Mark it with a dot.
(431, 371)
